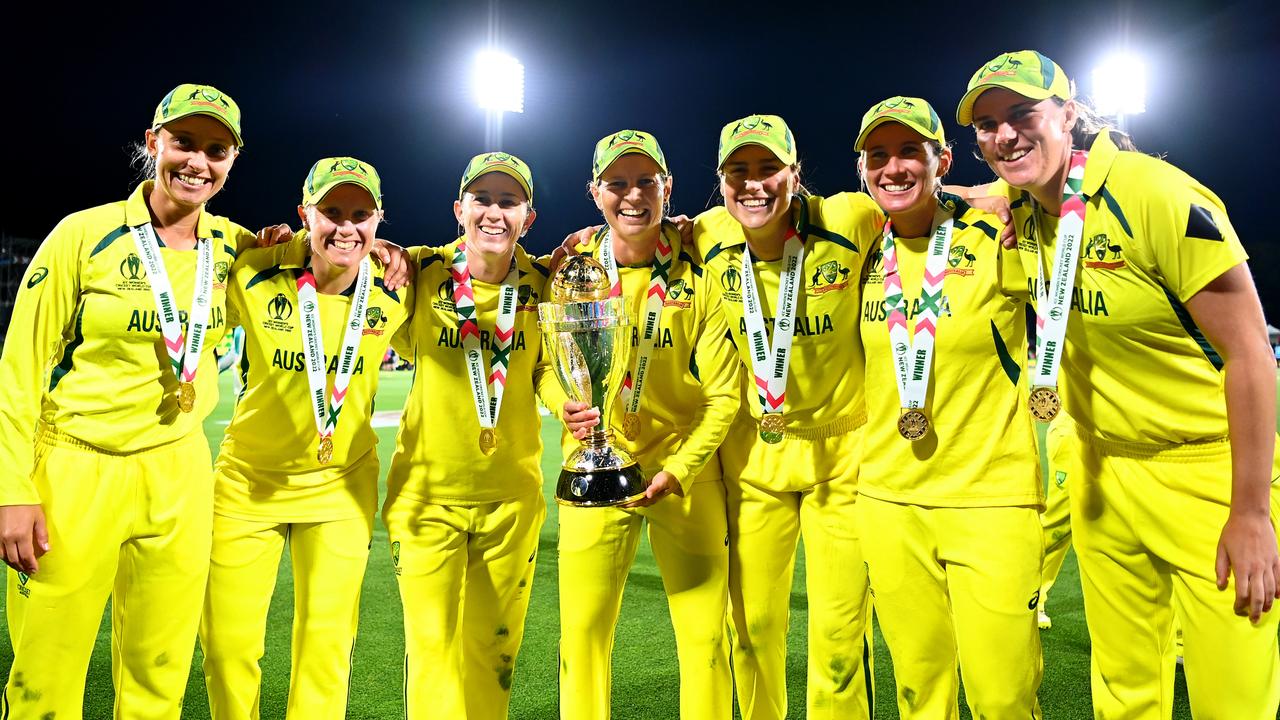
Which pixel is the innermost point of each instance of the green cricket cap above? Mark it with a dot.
(501, 162)
(188, 99)
(329, 173)
(1025, 72)
(623, 142)
(768, 131)
(913, 112)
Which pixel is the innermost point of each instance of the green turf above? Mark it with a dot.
(645, 672)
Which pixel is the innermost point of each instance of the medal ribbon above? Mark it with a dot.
(633, 385)
(1053, 301)
(770, 364)
(183, 347)
(913, 353)
(487, 396)
(313, 347)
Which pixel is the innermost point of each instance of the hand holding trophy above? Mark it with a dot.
(587, 337)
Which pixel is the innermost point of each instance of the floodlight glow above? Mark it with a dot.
(1120, 86)
(498, 82)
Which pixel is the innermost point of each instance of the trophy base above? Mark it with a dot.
(603, 487)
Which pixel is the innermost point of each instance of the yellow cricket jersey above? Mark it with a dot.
(438, 456)
(85, 354)
(691, 388)
(267, 467)
(1136, 368)
(981, 450)
(824, 385)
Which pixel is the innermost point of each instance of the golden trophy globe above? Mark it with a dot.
(587, 337)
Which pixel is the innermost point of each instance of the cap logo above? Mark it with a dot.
(897, 105)
(349, 164)
(626, 138)
(998, 68)
(751, 126)
(350, 167)
(498, 158)
(212, 99)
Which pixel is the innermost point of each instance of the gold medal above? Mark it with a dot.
(1044, 403)
(771, 428)
(186, 396)
(913, 424)
(631, 426)
(325, 453)
(488, 441)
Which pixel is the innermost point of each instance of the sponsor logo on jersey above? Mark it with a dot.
(809, 325)
(395, 556)
(297, 362)
(279, 311)
(960, 261)
(444, 297)
(679, 294)
(877, 310)
(874, 269)
(133, 276)
(449, 338)
(526, 299)
(1035, 600)
(148, 321)
(37, 276)
(375, 321)
(1101, 253)
(220, 271)
(23, 590)
(829, 277)
(1060, 477)
(731, 283)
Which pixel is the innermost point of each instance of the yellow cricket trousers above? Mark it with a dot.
(1146, 522)
(465, 574)
(134, 528)
(597, 548)
(328, 566)
(957, 586)
(819, 505)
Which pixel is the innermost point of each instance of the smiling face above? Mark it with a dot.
(757, 187)
(1026, 142)
(493, 212)
(902, 170)
(631, 193)
(193, 156)
(342, 225)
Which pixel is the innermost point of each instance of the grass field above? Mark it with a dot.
(645, 673)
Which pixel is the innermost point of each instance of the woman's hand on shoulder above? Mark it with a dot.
(571, 243)
(396, 261)
(274, 235)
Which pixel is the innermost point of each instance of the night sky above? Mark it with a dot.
(388, 83)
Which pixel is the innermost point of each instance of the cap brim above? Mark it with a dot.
(524, 185)
(315, 199)
(739, 146)
(234, 133)
(964, 113)
(632, 151)
(862, 136)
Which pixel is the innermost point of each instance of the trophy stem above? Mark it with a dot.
(597, 439)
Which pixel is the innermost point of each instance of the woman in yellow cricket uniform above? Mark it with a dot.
(949, 487)
(299, 463)
(1170, 384)
(785, 269)
(677, 403)
(464, 503)
(109, 372)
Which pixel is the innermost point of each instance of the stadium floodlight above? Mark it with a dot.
(1120, 86)
(498, 82)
